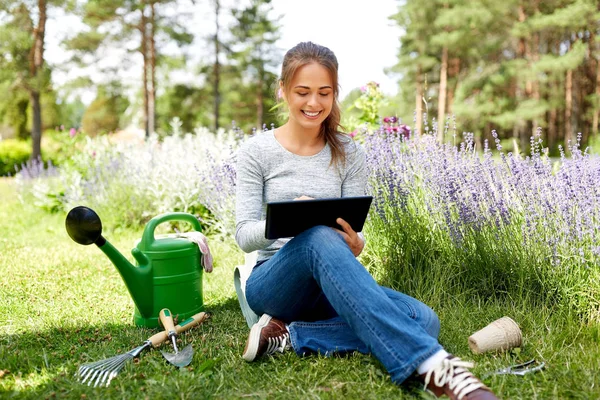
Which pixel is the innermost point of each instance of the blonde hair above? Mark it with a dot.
(305, 53)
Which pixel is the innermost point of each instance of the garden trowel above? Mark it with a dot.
(180, 358)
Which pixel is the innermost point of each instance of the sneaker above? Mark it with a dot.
(267, 336)
(452, 378)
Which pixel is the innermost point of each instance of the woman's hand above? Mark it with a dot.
(303, 197)
(354, 241)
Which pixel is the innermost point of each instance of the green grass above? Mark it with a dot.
(62, 304)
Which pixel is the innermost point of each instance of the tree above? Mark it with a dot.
(145, 22)
(103, 114)
(188, 103)
(511, 66)
(22, 57)
(253, 49)
(415, 57)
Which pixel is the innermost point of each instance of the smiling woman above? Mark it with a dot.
(305, 287)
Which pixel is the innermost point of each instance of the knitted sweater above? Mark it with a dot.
(267, 172)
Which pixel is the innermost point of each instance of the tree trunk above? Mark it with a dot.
(534, 51)
(419, 102)
(152, 78)
(259, 98)
(568, 107)
(217, 68)
(596, 115)
(442, 96)
(36, 132)
(453, 71)
(522, 129)
(551, 136)
(535, 54)
(144, 49)
(36, 63)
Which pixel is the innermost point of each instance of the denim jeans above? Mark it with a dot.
(332, 304)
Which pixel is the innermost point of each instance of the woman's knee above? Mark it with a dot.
(318, 234)
(417, 310)
(430, 321)
(321, 239)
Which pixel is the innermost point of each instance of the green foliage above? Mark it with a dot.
(104, 113)
(61, 146)
(370, 102)
(187, 103)
(507, 68)
(100, 117)
(13, 153)
(14, 110)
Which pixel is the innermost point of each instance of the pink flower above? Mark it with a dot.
(72, 132)
(353, 133)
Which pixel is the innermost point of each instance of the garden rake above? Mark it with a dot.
(102, 372)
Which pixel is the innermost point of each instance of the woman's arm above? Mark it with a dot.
(354, 184)
(250, 229)
(355, 180)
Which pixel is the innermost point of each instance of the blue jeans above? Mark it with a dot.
(332, 304)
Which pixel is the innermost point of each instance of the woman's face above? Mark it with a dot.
(310, 96)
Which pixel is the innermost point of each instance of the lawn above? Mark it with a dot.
(62, 304)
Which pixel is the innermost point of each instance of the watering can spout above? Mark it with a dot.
(138, 279)
(84, 227)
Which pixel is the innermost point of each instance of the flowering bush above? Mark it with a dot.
(129, 183)
(369, 103)
(525, 227)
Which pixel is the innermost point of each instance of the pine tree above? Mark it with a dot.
(22, 57)
(145, 21)
(252, 47)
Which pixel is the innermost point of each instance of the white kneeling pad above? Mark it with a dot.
(240, 276)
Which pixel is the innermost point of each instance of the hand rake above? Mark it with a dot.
(102, 372)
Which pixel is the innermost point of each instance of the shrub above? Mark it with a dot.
(127, 184)
(13, 152)
(452, 221)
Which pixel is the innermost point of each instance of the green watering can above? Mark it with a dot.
(168, 273)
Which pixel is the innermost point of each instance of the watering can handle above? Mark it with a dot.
(148, 235)
(183, 326)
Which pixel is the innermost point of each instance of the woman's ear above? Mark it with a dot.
(281, 92)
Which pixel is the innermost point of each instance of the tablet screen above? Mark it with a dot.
(290, 218)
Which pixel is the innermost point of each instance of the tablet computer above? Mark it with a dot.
(290, 218)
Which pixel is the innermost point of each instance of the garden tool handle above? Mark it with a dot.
(186, 325)
(167, 321)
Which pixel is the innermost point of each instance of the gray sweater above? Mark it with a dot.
(267, 172)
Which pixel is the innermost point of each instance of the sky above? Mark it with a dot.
(360, 34)
(364, 40)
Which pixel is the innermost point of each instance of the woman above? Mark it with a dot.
(306, 287)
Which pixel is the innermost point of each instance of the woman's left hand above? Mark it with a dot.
(354, 241)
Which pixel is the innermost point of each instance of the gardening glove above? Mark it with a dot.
(202, 242)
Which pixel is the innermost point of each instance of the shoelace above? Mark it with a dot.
(453, 372)
(278, 343)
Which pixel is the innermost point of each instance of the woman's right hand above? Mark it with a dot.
(303, 197)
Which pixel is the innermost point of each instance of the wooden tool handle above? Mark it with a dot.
(167, 321)
(191, 322)
(186, 325)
